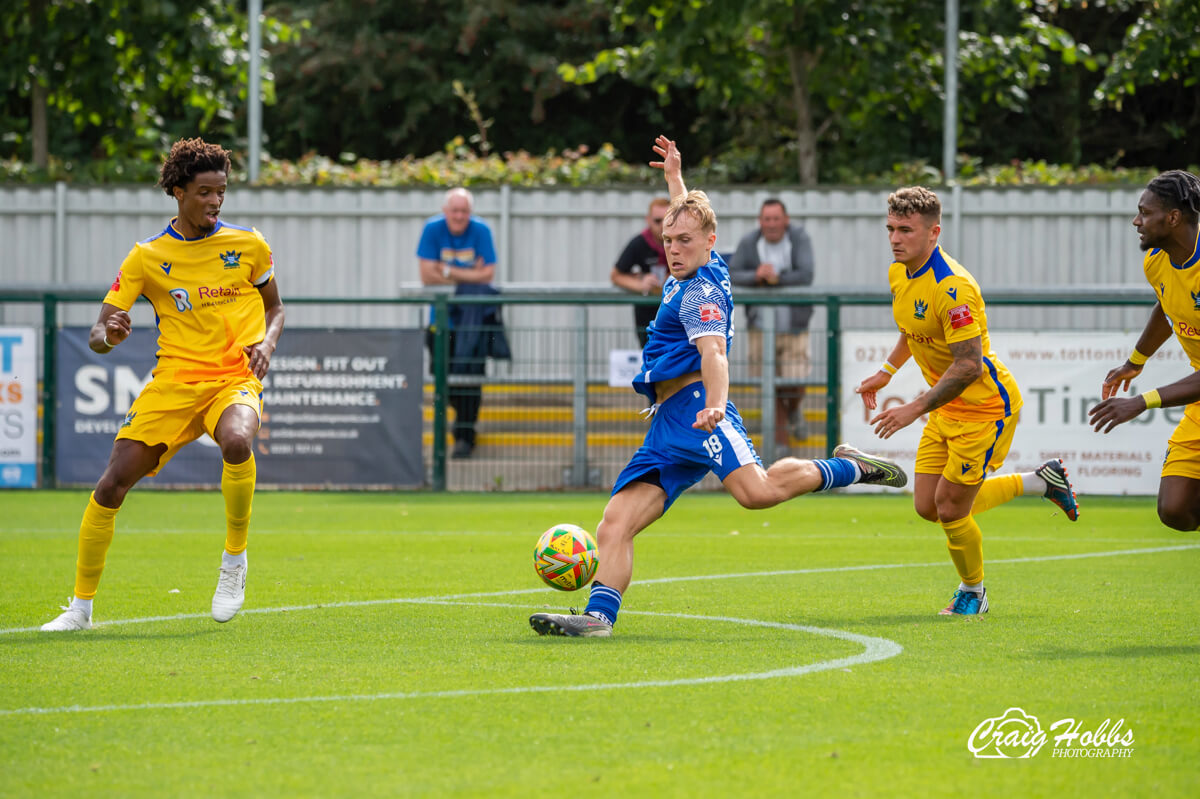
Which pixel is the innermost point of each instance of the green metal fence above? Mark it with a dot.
(550, 419)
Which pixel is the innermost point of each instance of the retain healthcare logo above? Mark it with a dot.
(1019, 735)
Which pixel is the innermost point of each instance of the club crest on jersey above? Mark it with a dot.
(231, 259)
(182, 303)
(960, 316)
(1196, 300)
(919, 309)
(710, 312)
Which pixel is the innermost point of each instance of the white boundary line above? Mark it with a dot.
(656, 581)
(874, 649)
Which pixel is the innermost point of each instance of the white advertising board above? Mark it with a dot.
(1059, 375)
(18, 407)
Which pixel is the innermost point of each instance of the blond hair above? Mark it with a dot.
(915, 200)
(695, 204)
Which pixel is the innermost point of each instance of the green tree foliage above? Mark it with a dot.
(842, 87)
(754, 90)
(1111, 81)
(375, 78)
(113, 83)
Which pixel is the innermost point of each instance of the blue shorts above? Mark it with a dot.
(682, 454)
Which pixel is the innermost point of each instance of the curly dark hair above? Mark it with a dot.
(188, 158)
(1179, 190)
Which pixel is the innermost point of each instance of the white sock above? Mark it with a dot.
(1032, 485)
(229, 561)
(974, 589)
(82, 604)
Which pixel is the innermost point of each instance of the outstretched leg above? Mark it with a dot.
(754, 487)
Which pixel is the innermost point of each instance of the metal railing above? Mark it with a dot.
(52, 299)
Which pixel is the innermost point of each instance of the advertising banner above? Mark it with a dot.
(340, 408)
(18, 407)
(1059, 374)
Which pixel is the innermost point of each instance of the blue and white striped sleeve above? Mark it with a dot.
(704, 310)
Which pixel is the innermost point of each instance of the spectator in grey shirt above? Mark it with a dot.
(778, 254)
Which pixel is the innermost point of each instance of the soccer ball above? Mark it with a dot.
(566, 557)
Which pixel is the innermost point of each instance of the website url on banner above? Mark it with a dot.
(1114, 355)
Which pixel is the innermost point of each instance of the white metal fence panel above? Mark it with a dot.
(347, 242)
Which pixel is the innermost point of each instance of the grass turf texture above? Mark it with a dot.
(435, 699)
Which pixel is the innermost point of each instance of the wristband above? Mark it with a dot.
(108, 343)
(1152, 399)
(446, 271)
(1136, 358)
(889, 367)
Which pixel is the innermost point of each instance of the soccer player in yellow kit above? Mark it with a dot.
(1168, 224)
(973, 401)
(219, 319)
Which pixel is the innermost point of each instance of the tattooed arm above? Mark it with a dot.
(965, 370)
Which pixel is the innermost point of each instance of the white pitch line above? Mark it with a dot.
(874, 649)
(655, 581)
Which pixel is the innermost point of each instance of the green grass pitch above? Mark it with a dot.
(385, 651)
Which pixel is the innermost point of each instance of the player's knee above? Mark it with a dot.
(610, 533)
(236, 448)
(756, 497)
(927, 511)
(1182, 519)
(111, 489)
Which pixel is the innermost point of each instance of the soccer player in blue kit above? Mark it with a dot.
(693, 426)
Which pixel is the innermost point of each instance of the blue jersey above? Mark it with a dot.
(702, 305)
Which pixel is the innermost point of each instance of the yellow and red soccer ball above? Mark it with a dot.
(566, 557)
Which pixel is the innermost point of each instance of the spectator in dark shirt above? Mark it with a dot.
(642, 267)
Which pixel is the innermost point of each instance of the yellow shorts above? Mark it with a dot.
(1183, 447)
(964, 452)
(791, 354)
(177, 414)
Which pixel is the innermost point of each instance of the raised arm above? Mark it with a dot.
(671, 165)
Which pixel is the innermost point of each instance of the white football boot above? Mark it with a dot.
(70, 619)
(230, 593)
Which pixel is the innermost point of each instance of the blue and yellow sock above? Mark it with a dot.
(837, 472)
(604, 603)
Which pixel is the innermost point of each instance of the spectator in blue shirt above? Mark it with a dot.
(456, 250)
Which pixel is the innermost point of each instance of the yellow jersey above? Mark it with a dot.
(939, 305)
(1178, 290)
(205, 296)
